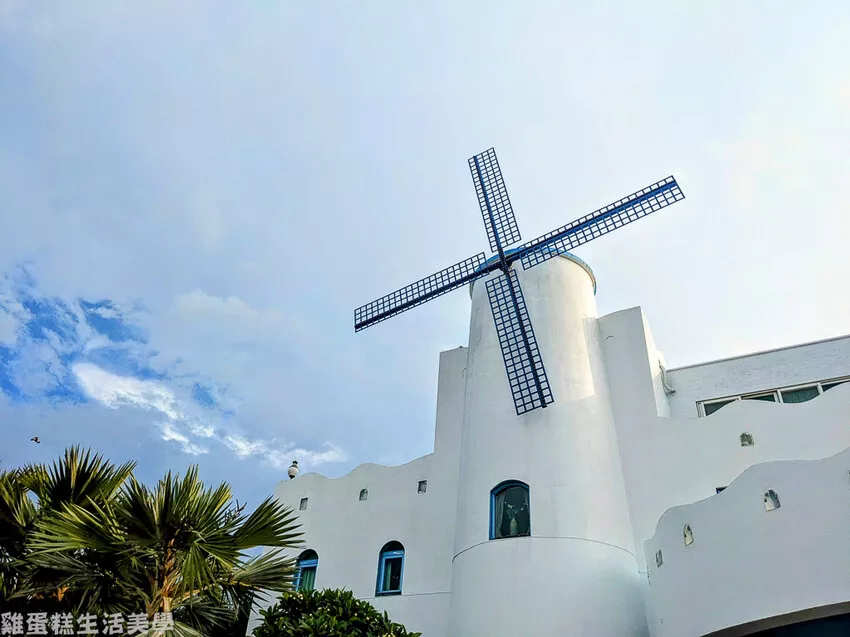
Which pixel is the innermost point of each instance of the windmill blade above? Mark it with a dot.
(499, 219)
(635, 206)
(423, 290)
(526, 375)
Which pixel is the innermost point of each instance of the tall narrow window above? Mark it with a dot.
(510, 511)
(364, 494)
(305, 575)
(688, 535)
(390, 569)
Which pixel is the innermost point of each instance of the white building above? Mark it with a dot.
(613, 490)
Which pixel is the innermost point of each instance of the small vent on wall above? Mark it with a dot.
(747, 440)
(688, 535)
(659, 559)
(364, 494)
(771, 500)
(303, 505)
(422, 487)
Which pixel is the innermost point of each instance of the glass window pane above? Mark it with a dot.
(512, 517)
(799, 395)
(835, 383)
(771, 397)
(392, 575)
(710, 408)
(308, 579)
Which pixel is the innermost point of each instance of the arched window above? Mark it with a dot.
(510, 512)
(390, 569)
(305, 575)
(364, 494)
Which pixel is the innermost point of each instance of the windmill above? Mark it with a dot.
(523, 363)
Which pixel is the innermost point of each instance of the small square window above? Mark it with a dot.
(423, 486)
(303, 505)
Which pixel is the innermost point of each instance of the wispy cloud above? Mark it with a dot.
(58, 350)
(183, 425)
(281, 457)
(169, 433)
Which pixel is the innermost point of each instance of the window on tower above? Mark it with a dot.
(390, 569)
(510, 512)
(305, 575)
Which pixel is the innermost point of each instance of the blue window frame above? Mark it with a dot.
(510, 510)
(305, 575)
(390, 569)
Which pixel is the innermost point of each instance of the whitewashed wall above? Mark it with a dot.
(746, 564)
(796, 365)
(679, 460)
(348, 534)
(611, 414)
(577, 574)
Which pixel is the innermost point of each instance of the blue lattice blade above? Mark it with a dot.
(635, 206)
(423, 290)
(526, 375)
(496, 210)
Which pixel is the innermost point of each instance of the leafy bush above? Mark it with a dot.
(327, 613)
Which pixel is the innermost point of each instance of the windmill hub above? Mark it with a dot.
(561, 253)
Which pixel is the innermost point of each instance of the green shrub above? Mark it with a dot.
(326, 613)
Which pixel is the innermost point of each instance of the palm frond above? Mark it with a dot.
(75, 478)
(270, 524)
(270, 571)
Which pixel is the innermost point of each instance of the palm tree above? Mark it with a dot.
(17, 518)
(177, 548)
(78, 478)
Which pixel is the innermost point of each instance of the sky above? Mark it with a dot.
(195, 196)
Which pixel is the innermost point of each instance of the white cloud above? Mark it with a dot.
(8, 328)
(169, 433)
(181, 424)
(116, 391)
(282, 457)
(12, 314)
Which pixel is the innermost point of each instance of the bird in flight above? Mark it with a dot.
(35, 440)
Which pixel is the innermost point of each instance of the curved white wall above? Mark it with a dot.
(577, 574)
(581, 547)
(747, 564)
(348, 533)
(679, 460)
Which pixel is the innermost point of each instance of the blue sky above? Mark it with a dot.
(194, 197)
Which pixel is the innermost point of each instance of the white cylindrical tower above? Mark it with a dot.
(575, 574)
